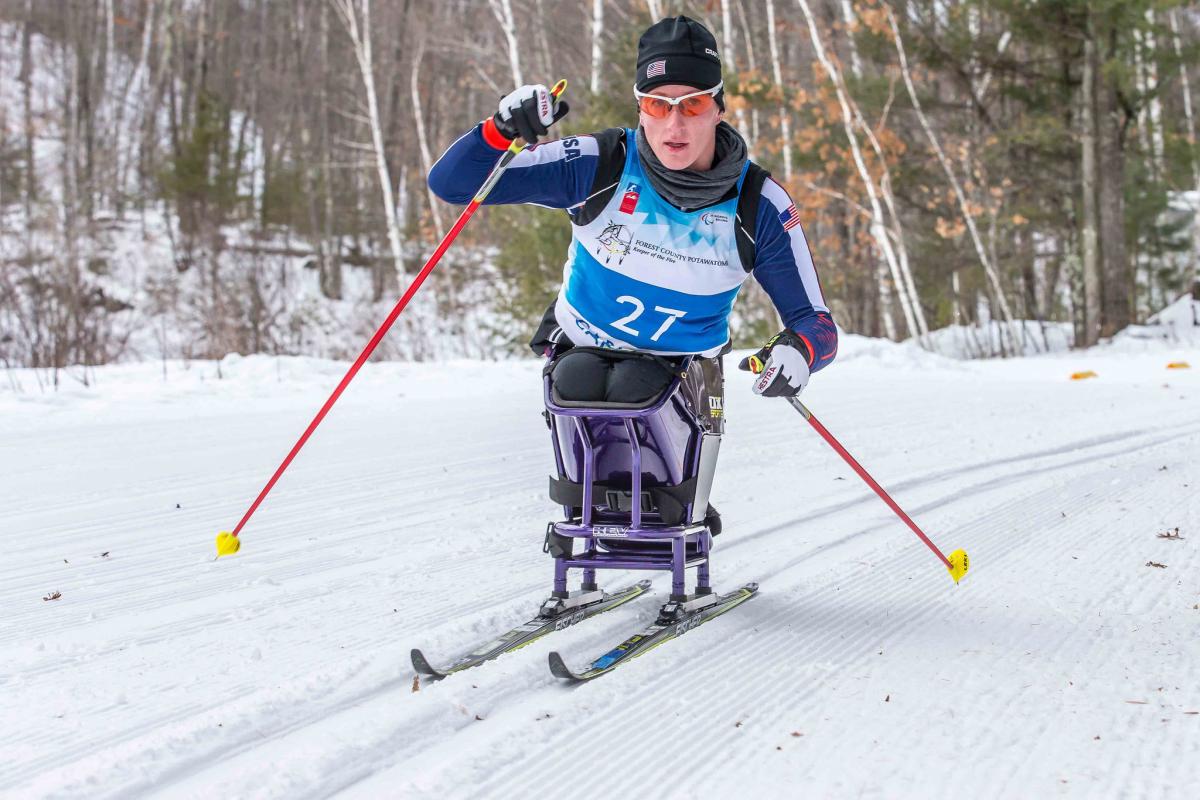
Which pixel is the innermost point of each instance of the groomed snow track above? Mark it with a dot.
(1063, 665)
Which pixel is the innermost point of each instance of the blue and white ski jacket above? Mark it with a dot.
(643, 274)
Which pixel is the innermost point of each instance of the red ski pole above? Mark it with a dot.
(227, 542)
(957, 563)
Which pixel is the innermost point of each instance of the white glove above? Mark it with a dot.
(781, 366)
(528, 113)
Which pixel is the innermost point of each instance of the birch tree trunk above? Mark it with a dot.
(848, 19)
(547, 53)
(502, 9)
(26, 79)
(1158, 145)
(1116, 288)
(785, 127)
(1140, 82)
(1001, 46)
(197, 81)
(107, 108)
(360, 37)
(64, 329)
(882, 286)
(1190, 120)
(727, 37)
(903, 284)
(1087, 140)
(989, 266)
(120, 134)
(158, 83)
(908, 286)
(422, 140)
(751, 134)
(878, 228)
(330, 248)
(597, 50)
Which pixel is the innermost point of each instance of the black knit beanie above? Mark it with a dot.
(678, 50)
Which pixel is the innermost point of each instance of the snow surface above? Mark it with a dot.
(1062, 666)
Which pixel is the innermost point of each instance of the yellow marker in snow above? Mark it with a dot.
(227, 544)
(959, 563)
(1080, 376)
(1179, 365)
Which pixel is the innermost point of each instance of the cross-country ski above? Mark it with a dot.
(555, 615)
(674, 620)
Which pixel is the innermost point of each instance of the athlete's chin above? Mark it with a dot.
(677, 157)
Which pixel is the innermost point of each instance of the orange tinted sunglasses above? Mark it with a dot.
(690, 105)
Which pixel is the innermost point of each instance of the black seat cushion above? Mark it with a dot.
(611, 378)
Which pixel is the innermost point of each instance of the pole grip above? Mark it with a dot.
(514, 149)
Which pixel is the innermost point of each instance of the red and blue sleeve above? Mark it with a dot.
(556, 174)
(783, 265)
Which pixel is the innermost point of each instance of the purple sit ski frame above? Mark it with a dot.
(662, 442)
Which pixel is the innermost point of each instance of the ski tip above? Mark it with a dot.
(422, 665)
(559, 668)
(643, 585)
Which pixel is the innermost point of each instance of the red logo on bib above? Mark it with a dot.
(629, 199)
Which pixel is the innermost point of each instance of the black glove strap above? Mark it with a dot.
(525, 122)
(786, 336)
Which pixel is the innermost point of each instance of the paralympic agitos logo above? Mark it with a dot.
(629, 200)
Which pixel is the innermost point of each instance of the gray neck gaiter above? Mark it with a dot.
(689, 189)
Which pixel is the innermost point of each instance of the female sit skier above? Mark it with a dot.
(667, 222)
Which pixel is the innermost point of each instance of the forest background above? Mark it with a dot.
(184, 179)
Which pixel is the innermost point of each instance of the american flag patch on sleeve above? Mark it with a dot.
(656, 69)
(789, 217)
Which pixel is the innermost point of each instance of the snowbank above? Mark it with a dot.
(1177, 324)
(985, 341)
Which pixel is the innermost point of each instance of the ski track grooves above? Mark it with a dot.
(981, 535)
(739, 646)
(519, 776)
(837, 589)
(831, 653)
